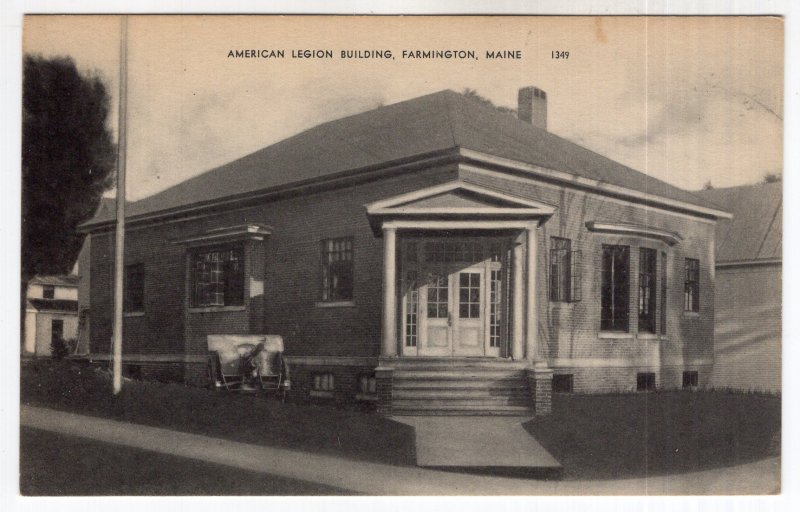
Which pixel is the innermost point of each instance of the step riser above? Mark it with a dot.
(456, 395)
(448, 388)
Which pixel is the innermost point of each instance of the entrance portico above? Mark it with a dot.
(459, 273)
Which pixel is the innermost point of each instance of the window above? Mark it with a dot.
(645, 381)
(690, 379)
(366, 384)
(614, 288)
(691, 288)
(323, 382)
(647, 289)
(412, 301)
(134, 287)
(48, 291)
(469, 295)
(337, 269)
(218, 277)
(562, 383)
(495, 288)
(564, 271)
(663, 323)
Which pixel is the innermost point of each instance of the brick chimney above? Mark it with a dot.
(532, 106)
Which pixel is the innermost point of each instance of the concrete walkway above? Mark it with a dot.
(380, 479)
(499, 444)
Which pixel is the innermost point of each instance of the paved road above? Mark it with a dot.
(380, 479)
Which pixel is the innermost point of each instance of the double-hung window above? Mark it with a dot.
(691, 287)
(565, 268)
(614, 288)
(218, 277)
(134, 288)
(337, 269)
(647, 289)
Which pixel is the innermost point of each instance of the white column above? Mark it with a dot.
(518, 302)
(532, 324)
(389, 345)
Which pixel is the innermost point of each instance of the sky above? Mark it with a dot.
(687, 100)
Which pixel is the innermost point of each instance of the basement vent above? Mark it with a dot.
(690, 379)
(645, 381)
(562, 383)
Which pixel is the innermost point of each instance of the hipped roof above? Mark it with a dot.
(756, 230)
(413, 128)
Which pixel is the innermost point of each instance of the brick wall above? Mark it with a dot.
(288, 261)
(285, 301)
(569, 333)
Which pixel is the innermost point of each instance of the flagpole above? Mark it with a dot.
(119, 255)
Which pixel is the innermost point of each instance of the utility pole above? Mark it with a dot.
(119, 249)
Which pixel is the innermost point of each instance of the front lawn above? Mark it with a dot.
(640, 434)
(252, 419)
(56, 465)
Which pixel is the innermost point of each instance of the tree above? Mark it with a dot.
(772, 177)
(472, 93)
(708, 186)
(67, 160)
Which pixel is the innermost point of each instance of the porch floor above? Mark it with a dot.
(484, 444)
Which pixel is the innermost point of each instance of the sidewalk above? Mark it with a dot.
(379, 479)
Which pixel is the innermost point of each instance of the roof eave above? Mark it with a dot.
(595, 185)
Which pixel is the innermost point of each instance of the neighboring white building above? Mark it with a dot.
(747, 327)
(51, 311)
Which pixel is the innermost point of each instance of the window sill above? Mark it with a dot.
(649, 336)
(320, 394)
(691, 314)
(612, 335)
(217, 309)
(367, 397)
(129, 314)
(335, 304)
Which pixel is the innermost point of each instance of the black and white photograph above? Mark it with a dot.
(317, 255)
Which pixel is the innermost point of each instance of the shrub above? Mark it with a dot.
(58, 348)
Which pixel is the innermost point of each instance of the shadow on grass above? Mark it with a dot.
(253, 419)
(55, 465)
(650, 434)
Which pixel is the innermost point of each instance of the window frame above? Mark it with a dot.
(623, 323)
(648, 285)
(48, 289)
(691, 285)
(328, 289)
(564, 271)
(228, 297)
(127, 305)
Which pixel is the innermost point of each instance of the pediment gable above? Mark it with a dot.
(457, 198)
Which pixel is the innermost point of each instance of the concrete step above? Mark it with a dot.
(461, 410)
(448, 394)
(458, 384)
(448, 362)
(433, 402)
(457, 374)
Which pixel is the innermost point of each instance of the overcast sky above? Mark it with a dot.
(688, 100)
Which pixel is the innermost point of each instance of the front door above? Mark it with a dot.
(451, 303)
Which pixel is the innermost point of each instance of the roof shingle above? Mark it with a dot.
(411, 128)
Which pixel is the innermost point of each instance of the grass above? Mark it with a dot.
(636, 435)
(592, 436)
(251, 419)
(71, 469)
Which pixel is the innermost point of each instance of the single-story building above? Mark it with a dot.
(436, 255)
(747, 327)
(51, 313)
